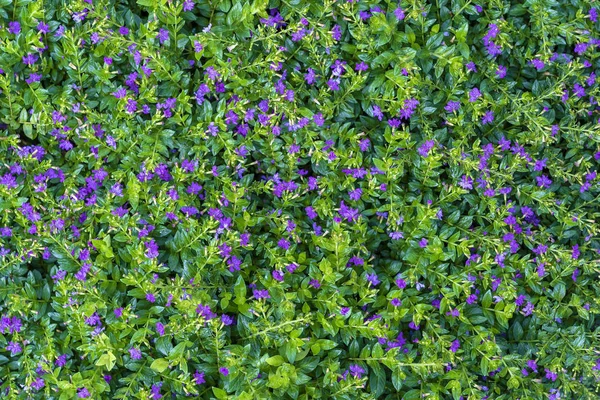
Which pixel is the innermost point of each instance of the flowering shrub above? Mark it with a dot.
(299, 199)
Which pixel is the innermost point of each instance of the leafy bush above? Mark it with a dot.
(329, 199)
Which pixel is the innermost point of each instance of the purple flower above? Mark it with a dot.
(124, 30)
(396, 302)
(283, 244)
(361, 66)
(356, 371)
(150, 297)
(474, 94)
(199, 377)
(188, 5)
(399, 13)
(550, 375)
(576, 252)
(336, 32)
(131, 106)
(501, 72)
(396, 235)
(355, 194)
(43, 27)
(373, 279)
(423, 243)
(413, 326)
(277, 275)
(310, 76)
(212, 73)
(452, 106)
(135, 354)
(38, 383)
(425, 148)
(83, 393)
(224, 371)
(151, 249)
(14, 27)
(155, 389)
(455, 346)
(543, 181)
(487, 118)
(334, 84)
(315, 283)
(261, 294)
(538, 64)
(30, 59)
(226, 320)
(14, 348)
(160, 329)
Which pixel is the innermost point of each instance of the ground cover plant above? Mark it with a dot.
(259, 199)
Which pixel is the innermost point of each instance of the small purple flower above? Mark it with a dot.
(224, 371)
(188, 5)
(356, 371)
(576, 252)
(487, 118)
(135, 353)
(373, 279)
(361, 67)
(261, 294)
(396, 302)
(38, 383)
(336, 33)
(163, 35)
(83, 393)
(14, 27)
(452, 106)
(226, 320)
(474, 94)
(199, 377)
(396, 235)
(455, 346)
(538, 64)
(277, 275)
(399, 13)
(501, 72)
(160, 329)
(151, 249)
(543, 181)
(355, 194)
(14, 348)
(283, 244)
(550, 375)
(401, 283)
(425, 148)
(30, 59)
(423, 243)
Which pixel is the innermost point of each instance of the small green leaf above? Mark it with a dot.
(275, 361)
(159, 365)
(219, 393)
(107, 360)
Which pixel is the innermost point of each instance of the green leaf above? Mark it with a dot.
(108, 360)
(219, 393)
(275, 361)
(159, 365)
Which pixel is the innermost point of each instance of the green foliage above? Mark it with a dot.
(185, 211)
